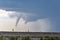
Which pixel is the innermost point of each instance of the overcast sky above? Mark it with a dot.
(35, 15)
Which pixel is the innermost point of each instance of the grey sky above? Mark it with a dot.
(46, 10)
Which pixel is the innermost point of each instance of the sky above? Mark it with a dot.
(32, 15)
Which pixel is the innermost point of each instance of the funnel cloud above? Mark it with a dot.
(27, 17)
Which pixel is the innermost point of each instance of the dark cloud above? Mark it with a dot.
(32, 10)
(27, 17)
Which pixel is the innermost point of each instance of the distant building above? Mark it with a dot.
(32, 35)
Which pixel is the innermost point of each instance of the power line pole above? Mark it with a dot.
(28, 29)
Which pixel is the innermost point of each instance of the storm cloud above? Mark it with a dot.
(32, 11)
(28, 17)
(23, 21)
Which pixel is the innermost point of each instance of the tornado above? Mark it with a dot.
(18, 18)
(17, 21)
